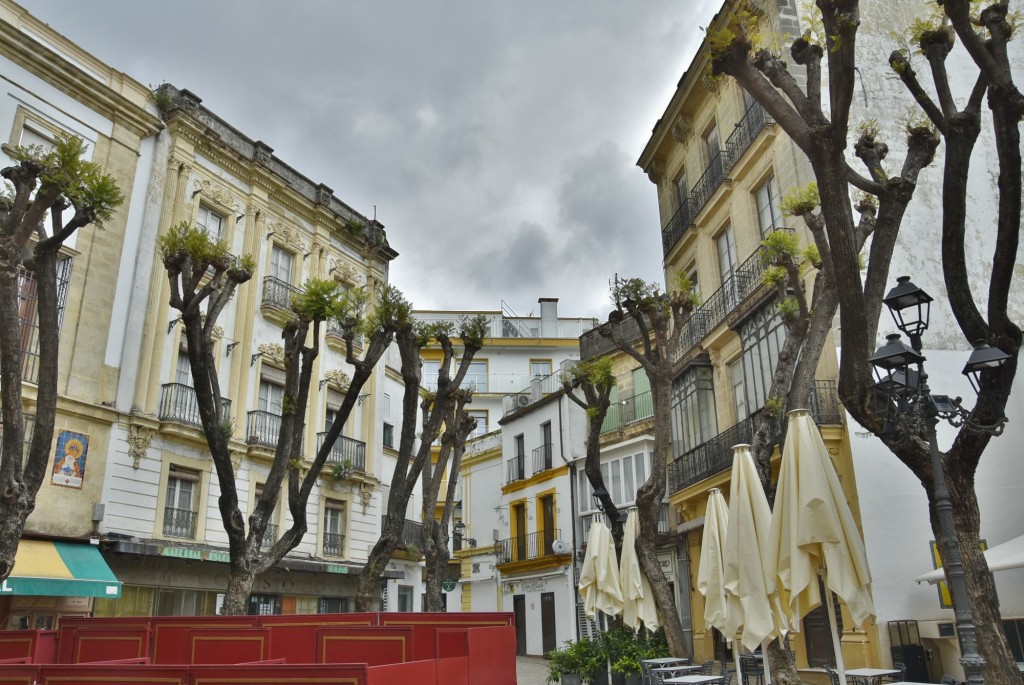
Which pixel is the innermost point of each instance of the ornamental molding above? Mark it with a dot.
(217, 193)
(344, 271)
(273, 352)
(338, 378)
(236, 458)
(655, 172)
(682, 129)
(285, 233)
(710, 83)
(139, 439)
(366, 495)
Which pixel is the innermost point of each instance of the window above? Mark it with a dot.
(36, 135)
(739, 391)
(693, 409)
(333, 605)
(430, 371)
(713, 149)
(621, 475)
(28, 314)
(210, 221)
(175, 602)
(540, 368)
(476, 376)
(180, 505)
(520, 446)
(265, 423)
(389, 435)
(281, 264)
(545, 444)
(183, 369)
(682, 191)
(769, 209)
(727, 261)
(481, 423)
(334, 528)
(405, 598)
(264, 605)
(271, 397)
(762, 338)
(694, 279)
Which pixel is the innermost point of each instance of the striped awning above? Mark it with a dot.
(60, 569)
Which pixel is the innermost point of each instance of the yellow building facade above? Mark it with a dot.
(721, 167)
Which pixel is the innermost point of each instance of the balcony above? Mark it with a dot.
(754, 120)
(588, 519)
(345, 450)
(713, 311)
(178, 403)
(180, 523)
(277, 293)
(542, 458)
(708, 183)
(412, 532)
(262, 428)
(515, 469)
(676, 227)
(334, 544)
(526, 547)
(593, 344)
(628, 411)
(715, 455)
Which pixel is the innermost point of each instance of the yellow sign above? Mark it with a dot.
(945, 598)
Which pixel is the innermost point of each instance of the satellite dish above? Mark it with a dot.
(560, 547)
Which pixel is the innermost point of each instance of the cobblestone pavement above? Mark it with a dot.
(531, 670)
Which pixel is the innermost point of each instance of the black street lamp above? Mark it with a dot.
(911, 408)
(603, 492)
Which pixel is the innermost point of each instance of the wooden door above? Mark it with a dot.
(547, 621)
(519, 608)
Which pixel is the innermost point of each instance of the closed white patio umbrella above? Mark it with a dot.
(599, 578)
(813, 533)
(637, 598)
(711, 571)
(750, 588)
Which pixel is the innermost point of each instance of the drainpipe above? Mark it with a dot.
(572, 514)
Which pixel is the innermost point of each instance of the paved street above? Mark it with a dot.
(531, 670)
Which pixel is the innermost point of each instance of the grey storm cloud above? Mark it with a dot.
(495, 141)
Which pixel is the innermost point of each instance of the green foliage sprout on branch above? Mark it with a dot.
(800, 201)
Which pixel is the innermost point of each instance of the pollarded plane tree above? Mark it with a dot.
(203, 275)
(660, 319)
(414, 450)
(42, 185)
(824, 135)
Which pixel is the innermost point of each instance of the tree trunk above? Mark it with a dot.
(648, 503)
(436, 567)
(368, 593)
(236, 597)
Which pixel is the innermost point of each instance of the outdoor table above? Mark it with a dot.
(665, 661)
(664, 672)
(694, 680)
(872, 675)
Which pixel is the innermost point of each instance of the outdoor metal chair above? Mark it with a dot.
(708, 668)
(750, 667)
(900, 677)
(948, 680)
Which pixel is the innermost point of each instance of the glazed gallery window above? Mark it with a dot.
(693, 409)
(762, 338)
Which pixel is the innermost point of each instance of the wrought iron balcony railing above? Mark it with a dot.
(676, 227)
(628, 411)
(412, 532)
(278, 293)
(178, 403)
(262, 428)
(708, 183)
(344, 450)
(542, 458)
(526, 547)
(593, 344)
(753, 122)
(715, 455)
(515, 469)
(334, 544)
(180, 523)
(269, 536)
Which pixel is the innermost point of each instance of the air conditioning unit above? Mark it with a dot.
(561, 547)
(522, 400)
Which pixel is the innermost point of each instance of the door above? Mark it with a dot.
(519, 607)
(548, 514)
(545, 441)
(519, 512)
(547, 621)
(818, 636)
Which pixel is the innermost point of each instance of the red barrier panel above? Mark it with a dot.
(69, 625)
(107, 644)
(289, 674)
(40, 646)
(227, 646)
(453, 671)
(24, 674)
(425, 626)
(170, 634)
(372, 646)
(451, 642)
(492, 655)
(295, 635)
(91, 674)
(418, 672)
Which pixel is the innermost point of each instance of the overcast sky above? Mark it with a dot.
(497, 140)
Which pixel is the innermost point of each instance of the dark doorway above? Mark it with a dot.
(547, 621)
(548, 514)
(519, 513)
(818, 636)
(519, 607)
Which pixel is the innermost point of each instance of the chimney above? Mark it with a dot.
(548, 317)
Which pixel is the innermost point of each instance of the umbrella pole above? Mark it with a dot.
(836, 645)
(736, 647)
(765, 663)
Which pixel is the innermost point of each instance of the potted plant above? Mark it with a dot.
(583, 661)
(626, 649)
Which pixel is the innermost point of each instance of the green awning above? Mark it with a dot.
(60, 569)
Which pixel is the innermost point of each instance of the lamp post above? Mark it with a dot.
(911, 408)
